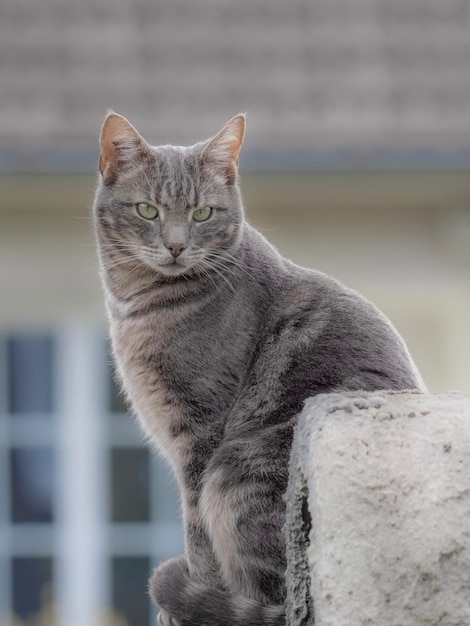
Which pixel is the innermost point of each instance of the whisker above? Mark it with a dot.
(200, 271)
(232, 259)
(219, 273)
(118, 262)
(126, 273)
(226, 258)
(225, 266)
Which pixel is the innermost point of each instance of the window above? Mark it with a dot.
(129, 589)
(116, 401)
(30, 364)
(129, 489)
(32, 484)
(27, 473)
(86, 510)
(32, 586)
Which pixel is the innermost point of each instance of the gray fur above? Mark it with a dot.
(217, 351)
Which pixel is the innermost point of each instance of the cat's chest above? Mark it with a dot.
(142, 354)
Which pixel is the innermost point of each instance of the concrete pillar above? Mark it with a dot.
(378, 526)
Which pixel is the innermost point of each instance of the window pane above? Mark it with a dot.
(32, 484)
(130, 579)
(130, 485)
(31, 586)
(166, 502)
(117, 403)
(4, 490)
(116, 397)
(30, 364)
(3, 376)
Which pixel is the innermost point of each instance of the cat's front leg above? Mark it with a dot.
(200, 558)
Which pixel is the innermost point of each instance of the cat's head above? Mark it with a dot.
(174, 209)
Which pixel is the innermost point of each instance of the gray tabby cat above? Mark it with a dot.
(218, 341)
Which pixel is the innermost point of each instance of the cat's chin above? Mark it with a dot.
(173, 269)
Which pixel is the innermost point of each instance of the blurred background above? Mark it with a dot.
(355, 162)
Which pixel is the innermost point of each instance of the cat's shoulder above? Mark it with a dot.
(307, 289)
(309, 285)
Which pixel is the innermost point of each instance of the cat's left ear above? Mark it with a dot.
(121, 146)
(222, 150)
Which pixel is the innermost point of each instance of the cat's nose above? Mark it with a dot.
(175, 248)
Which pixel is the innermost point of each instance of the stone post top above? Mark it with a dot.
(378, 511)
(397, 403)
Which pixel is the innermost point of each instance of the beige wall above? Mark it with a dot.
(403, 240)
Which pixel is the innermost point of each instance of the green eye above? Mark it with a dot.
(147, 211)
(202, 214)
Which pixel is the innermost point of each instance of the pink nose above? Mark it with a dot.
(176, 249)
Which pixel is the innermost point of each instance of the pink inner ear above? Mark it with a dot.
(225, 147)
(120, 144)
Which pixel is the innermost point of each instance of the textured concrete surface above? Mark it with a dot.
(385, 478)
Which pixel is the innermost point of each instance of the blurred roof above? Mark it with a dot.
(325, 83)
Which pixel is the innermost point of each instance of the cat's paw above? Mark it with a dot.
(167, 585)
(165, 619)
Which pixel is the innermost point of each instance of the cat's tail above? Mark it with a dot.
(186, 602)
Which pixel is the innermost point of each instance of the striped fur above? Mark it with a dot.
(217, 349)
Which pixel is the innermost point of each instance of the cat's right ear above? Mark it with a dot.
(121, 146)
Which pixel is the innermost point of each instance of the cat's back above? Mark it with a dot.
(332, 330)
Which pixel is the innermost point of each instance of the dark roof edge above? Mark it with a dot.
(80, 156)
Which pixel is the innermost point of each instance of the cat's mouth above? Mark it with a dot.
(161, 263)
(172, 269)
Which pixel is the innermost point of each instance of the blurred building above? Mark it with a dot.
(356, 162)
